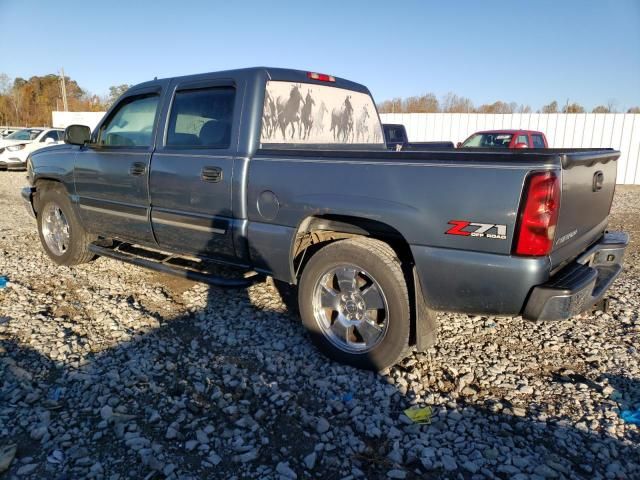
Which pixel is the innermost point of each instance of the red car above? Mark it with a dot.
(505, 139)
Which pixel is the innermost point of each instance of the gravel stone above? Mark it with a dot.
(395, 473)
(283, 469)
(110, 371)
(323, 425)
(545, 471)
(449, 463)
(106, 412)
(310, 460)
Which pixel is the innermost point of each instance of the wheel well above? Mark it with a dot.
(316, 232)
(41, 184)
(319, 230)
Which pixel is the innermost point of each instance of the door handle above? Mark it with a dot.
(137, 168)
(211, 174)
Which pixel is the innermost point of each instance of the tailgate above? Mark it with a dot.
(588, 184)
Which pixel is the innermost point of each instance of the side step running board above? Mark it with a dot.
(161, 263)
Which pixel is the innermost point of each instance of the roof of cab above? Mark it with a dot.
(512, 131)
(271, 73)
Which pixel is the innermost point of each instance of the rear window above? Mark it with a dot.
(302, 113)
(538, 141)
(489, 140)
(201, 118)
(393, 134)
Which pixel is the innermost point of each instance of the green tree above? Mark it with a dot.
(115, 91)
(452, 103)
(427, 103)
(550, 108)
(573, 108)
(30, 102)
(497, 107)
(391, 106)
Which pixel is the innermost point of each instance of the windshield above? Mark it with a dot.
(27, 134)
(488, 140)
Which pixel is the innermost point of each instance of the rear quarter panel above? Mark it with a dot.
(416, 198)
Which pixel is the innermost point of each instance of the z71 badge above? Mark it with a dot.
(473, 229)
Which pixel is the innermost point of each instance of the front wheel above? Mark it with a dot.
(63, 238)
(354, 301)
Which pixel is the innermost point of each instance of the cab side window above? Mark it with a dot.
(132, 124)
(523, 139)
(538, 141)
(53, 134)
(201, 118)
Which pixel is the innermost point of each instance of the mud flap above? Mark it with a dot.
(425, 321)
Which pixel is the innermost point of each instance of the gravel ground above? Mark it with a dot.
(111, 371)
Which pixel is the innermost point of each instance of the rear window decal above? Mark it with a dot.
(318, 114)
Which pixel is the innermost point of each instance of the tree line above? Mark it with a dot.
(29, 102)
(452, 103)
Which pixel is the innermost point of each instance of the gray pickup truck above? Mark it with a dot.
(285, 173)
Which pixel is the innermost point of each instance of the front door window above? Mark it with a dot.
(132, 123)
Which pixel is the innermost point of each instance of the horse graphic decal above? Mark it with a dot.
(362, 129)
(311, 113)
(269, 116)
(342, 122)
(318, 119)
(289, 111)
(306, 118)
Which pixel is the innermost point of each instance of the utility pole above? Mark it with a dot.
(63, 91)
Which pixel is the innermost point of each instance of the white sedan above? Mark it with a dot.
(15, 148)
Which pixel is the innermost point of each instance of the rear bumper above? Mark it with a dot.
(473, 282)
(581, 284)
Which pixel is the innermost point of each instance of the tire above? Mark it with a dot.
(62, 236)
(349, 320)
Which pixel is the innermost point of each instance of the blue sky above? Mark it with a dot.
(528, 52)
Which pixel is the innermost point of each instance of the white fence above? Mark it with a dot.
(64, 119)
(617, 130)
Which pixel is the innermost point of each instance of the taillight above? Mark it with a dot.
(321, 76)
(538, 215)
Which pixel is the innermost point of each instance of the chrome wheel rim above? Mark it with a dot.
(55, 229)
(351, 309)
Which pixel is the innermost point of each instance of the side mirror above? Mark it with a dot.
(77, 134)
(459, 145)
(521, 145)
(49, 140)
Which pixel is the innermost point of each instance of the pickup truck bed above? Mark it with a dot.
(286, 173)
(452, 267)
(395, 135)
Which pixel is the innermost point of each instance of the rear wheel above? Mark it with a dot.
(63, 238)
(353, 300)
